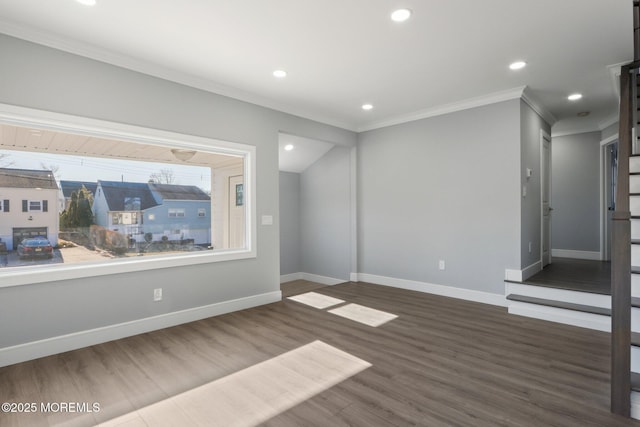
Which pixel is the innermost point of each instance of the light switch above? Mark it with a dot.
(267, 219)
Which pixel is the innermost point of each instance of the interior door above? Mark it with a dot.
(610, 173)
(236, 211)
(545, 195)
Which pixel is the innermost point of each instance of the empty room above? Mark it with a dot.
(285, 213)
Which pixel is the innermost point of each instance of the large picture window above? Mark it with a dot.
(120, 201)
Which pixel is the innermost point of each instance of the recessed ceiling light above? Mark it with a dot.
(288, 147)
(281, 74)
(574, 96)
(517, 65)
(87, 2)
(367, 107)
(401, 15)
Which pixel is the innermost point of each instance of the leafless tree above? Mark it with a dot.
(53, 168)
(165, 176)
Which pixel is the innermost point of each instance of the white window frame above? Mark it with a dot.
(32, 118)
(202, 212)
(176, 212)
(29, 202)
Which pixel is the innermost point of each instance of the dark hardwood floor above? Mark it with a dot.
(575, 274)
(442, 362)
(297, 287)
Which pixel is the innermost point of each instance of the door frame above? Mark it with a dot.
(545, 174)
(231, 202)
(604, 224)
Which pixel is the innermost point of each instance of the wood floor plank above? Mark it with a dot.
(56, 385)
(442, 362)
(296, 287)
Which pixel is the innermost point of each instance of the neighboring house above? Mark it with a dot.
(28, 205)
(177, 212)
(184, 213)
(68, 187)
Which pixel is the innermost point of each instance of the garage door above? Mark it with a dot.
(22, 233)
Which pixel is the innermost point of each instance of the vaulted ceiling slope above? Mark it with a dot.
(339, 54)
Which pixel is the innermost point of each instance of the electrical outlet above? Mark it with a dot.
(441, 264)
(157, 294)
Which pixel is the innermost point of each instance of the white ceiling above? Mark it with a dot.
(305, 152)
(340, 54)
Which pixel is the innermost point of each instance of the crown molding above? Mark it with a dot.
(145, 67)
(440, 110)
(575, 131)
(614, 73)
(110, 57)
(615, 118)
(530, 99)
(593, 127)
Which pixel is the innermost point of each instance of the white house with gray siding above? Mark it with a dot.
(28, 205)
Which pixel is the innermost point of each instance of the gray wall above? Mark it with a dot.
(530, 125)
(442, 188)
(610, 131)
(325, 196)
(47, 79)
(575, 192)
(290, 246)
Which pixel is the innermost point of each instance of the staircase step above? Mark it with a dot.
(635, 339)
(635, 381)
(561, 304)
(635, 302)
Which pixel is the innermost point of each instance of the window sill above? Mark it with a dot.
(18, 276)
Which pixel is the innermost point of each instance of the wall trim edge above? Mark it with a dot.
(570, 253)
(49, 346)
(431, 288)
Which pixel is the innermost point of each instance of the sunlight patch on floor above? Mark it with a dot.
(253, 395)
(362, 314)
(316, 300)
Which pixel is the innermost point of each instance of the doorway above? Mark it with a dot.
(545, 197)
(608, 172)
(236, 211)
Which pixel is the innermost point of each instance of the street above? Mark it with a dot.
(60, 256)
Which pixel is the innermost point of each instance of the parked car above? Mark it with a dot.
(35, 247)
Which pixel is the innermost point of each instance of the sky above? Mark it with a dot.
(92, 169)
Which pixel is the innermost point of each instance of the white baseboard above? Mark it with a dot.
(560, 315)
(520, 275)
(569, 253)
(49, 346)
(529, 271)
(447, 291)
(513, 275)
(290, 277)
(324, 280)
